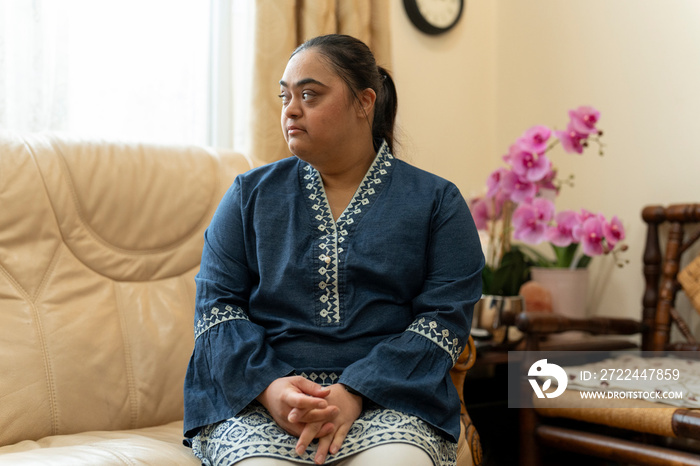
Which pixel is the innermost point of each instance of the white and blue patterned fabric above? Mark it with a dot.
(254, 433)
(383, 296)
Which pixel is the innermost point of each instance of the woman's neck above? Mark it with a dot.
(342, 178)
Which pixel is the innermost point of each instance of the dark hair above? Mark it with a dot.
(354, 62)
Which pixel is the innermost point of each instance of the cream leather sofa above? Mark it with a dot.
(99, 246)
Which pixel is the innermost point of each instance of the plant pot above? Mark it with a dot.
(489, 312)
(568, 287)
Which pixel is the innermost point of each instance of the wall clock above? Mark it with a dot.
(434, 16)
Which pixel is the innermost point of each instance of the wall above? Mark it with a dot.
(511, 64)
(446, 87)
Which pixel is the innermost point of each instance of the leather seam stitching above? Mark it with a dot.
(48, 369)
(48, 273)
(133, 394)
(16, 284)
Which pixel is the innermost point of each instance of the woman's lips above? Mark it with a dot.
(294, 130)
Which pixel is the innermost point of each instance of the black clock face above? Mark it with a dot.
(434, 16)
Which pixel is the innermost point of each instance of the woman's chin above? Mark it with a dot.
(298, 150)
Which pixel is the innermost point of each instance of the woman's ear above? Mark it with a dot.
(365, 102)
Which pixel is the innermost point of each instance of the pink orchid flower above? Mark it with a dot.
(562, 234)
(585, 215)
(584, 119)
(531, 166)
(591, 235)
(485, 209)
(535, 139)
(513, 149)
(520, 189)
(548, 181)
(544, 208)
(571, 140)
(530, 220)
(614, 231)
(494, 182)
(582, 216)
(480, 213)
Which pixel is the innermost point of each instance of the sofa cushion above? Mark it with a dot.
(151, 446)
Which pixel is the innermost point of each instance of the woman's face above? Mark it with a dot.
(318, 113)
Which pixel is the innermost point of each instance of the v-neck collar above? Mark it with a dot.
(328, 244)
(368, 190)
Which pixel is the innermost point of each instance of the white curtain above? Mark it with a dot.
(126, 69)
(171, 71)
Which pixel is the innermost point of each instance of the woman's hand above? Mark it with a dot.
(350, 408)
(295, 403)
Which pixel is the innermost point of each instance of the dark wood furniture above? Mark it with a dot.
(458, 374)
(640, 435)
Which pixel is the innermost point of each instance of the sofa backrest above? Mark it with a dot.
(99, 245)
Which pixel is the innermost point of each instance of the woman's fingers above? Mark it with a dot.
(323, 444)
(310, 432)
(305, 394)
(326, 414)
(303, 402)
(321, 430)
(339, 438)
(310, 388)
(326, 430)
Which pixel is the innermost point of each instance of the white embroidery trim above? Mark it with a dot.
(328, 257)
(336, 231)
(217, 317)
(438, 334)
(323, 378)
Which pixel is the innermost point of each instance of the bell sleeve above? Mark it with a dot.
(409, 372)
(231, 363)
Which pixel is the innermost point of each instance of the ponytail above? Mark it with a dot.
(385, 109)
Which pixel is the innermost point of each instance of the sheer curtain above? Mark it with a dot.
(171, 71)
(127, 69)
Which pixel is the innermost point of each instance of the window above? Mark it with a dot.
(127, 69)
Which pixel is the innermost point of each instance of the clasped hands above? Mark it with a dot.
(308, 410)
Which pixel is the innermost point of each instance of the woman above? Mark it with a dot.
(336, 287)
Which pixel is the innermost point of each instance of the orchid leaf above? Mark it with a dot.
(508, 277)
(565, 255)
(583, 262)
(537, 258)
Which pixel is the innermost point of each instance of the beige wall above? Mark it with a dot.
(446, 87)
(508, 65)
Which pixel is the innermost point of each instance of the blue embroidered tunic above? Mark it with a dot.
(380, 300)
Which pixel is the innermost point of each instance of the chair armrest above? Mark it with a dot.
(545, 323)
(459, 370)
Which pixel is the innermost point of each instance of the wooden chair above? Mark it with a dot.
(638, 433)
(458, 373)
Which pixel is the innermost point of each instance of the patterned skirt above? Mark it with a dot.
(254, 433)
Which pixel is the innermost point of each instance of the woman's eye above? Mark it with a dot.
(306, 95)
(283, 98)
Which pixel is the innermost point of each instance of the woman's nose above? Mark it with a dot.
(292, 109)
